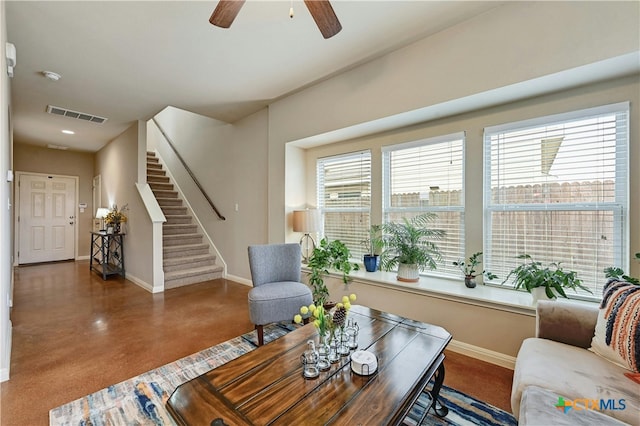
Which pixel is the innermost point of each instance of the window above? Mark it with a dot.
(556, 189)
(344, 197)
(428, 176)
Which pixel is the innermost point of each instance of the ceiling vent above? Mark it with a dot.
(75, 114)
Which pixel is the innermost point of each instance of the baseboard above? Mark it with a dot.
(240, 280)
(4, 372)
(83, 257)
(483, 354)
(140, 283)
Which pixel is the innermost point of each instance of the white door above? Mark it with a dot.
(47, 218)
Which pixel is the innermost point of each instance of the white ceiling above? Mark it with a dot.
(127, 60)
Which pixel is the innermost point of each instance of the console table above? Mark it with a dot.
(107, 254)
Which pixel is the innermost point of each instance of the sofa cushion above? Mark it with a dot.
(541, 407)
(617, 335)
(573, 373)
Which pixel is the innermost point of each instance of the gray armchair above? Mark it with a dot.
(277, 292)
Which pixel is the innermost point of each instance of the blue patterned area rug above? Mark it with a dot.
(141, 400)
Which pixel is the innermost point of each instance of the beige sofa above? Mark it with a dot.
(557, 362)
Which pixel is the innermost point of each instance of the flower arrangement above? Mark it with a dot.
(325, 321)
(116, 216)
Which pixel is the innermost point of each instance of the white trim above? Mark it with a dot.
(482, 354)
(140, 283)
(4, 372)
(556, 118)
(426, 141)
(240, 280)
(83, 257)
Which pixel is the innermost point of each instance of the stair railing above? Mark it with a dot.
(195, 180)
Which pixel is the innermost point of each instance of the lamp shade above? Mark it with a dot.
(102, 212)
(306, 221)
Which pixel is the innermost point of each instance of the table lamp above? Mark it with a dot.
(101, 213)
(307, 221)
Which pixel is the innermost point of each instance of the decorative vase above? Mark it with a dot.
(539, 293)
(469, 281)
(371, 262)
(116, 227)
(408, 272)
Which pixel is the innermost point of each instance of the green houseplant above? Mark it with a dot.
(468, 268)
(617, 273)
(327, 255)
(552, 279)
(373, 247)
(409, 246)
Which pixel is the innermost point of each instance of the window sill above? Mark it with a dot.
(504, 299)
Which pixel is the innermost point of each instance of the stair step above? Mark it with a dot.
(171, 210)
(161, 186)
(157, 179)
(154, 172)
(182, 263)
(161, 193)
(172, 229)
(181, 239)
(169, 202)
(197, 275)
(176, 219)
(152, 160)
(153, 166)
(171, 252)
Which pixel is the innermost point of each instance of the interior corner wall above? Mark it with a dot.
(6, 190)
(38, 159)
(230, 162)
(117, 163)
(510, 44)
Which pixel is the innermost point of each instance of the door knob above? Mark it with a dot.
(71, 223)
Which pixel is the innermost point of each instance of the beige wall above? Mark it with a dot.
(230, 162)
(117, 163)
(477, 325)
(473, 62)
(6, 200)
(30, 158)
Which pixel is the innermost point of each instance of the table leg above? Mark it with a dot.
(438, 407)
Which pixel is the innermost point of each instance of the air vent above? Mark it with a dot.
(75, 114)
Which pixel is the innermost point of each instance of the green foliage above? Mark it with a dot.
(531, 274)
(469, 268)
(374, 243)
(618, 274)
(327, 255)
(410, 242)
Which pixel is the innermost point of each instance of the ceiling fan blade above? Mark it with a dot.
(325, 17)
(225, 12)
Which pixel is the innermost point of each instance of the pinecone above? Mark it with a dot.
(340, 316)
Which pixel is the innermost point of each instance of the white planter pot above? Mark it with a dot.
(408, 273)
(539, 293)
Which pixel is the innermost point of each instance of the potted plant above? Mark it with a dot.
(618, 274)
(409, 246)
(539, 280)
(327, 255)
(373, 245)
(469, 269)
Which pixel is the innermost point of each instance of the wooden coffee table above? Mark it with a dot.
(266, 386)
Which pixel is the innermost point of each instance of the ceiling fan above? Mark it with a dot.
(321, 11)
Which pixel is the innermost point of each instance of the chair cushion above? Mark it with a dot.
(279, 301)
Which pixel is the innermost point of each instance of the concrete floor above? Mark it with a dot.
(74, 334)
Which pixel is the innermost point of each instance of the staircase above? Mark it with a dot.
(186, 258)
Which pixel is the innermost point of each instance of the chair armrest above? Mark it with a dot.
(566, 322)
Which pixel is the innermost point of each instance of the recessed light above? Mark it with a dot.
(68, 132)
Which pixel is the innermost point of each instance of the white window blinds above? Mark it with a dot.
(344, 197)
(428, 176)
(556, 189)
